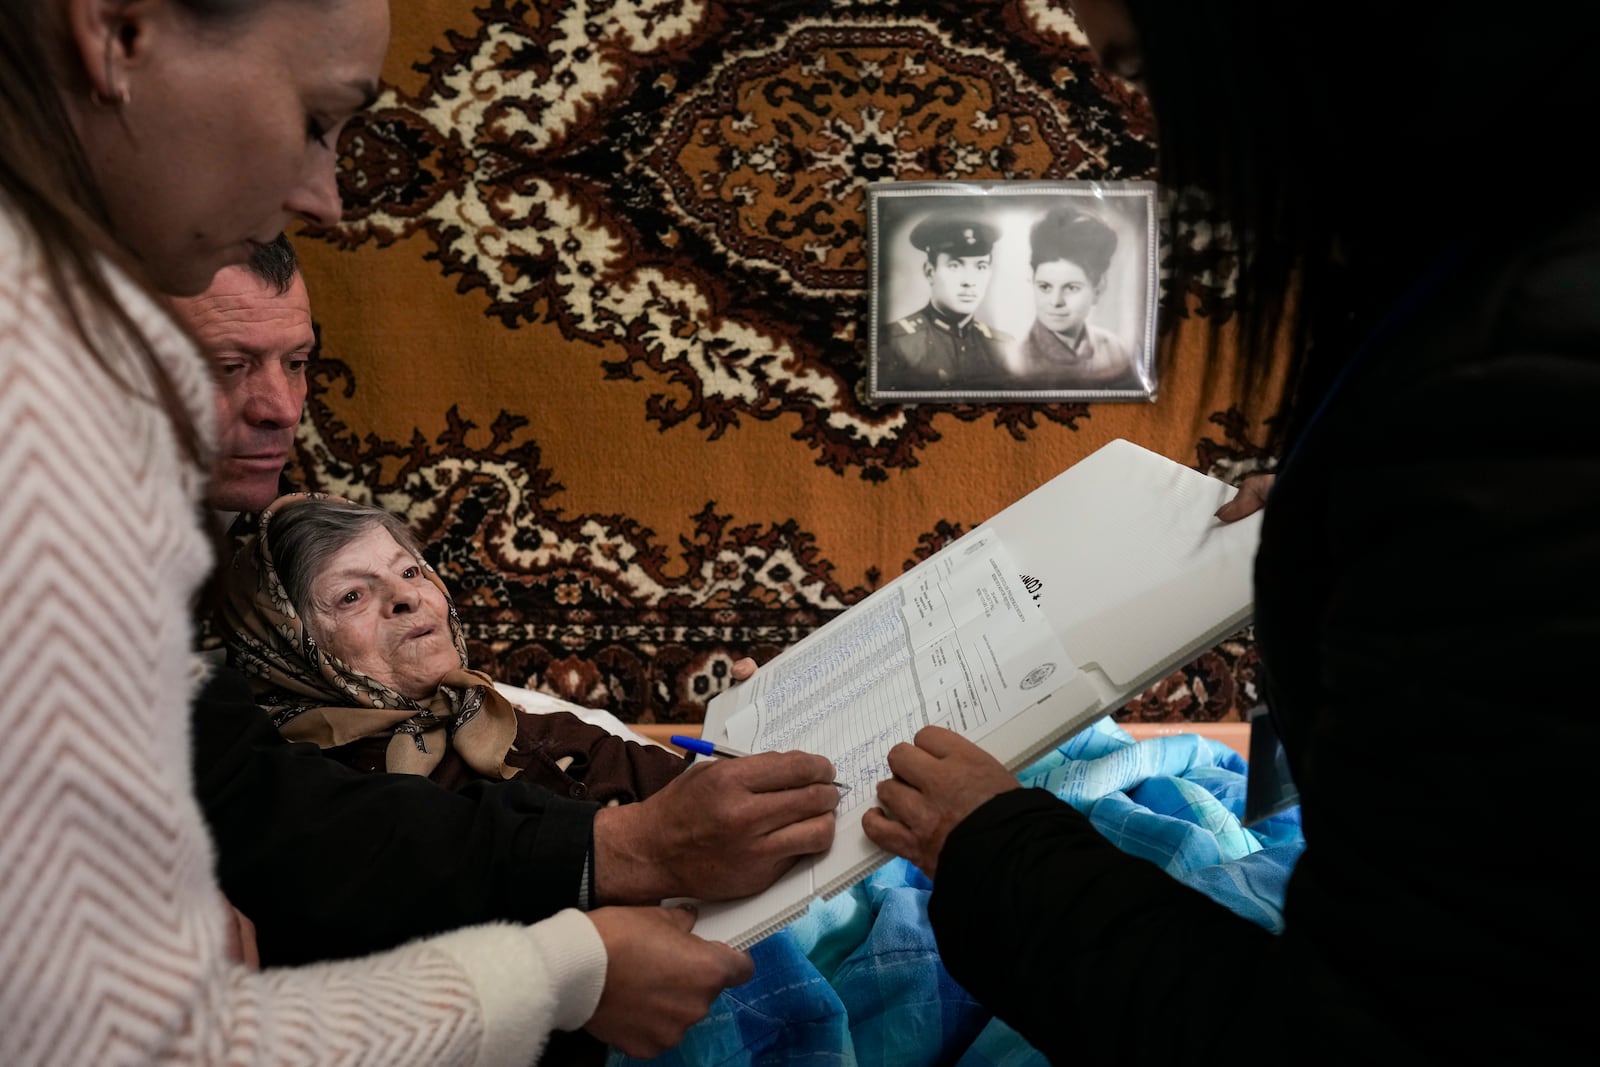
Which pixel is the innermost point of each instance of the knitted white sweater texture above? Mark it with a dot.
(112, 935)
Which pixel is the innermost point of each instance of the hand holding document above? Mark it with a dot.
(1053, 613)
(938, 781)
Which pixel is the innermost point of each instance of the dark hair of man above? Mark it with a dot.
(274, 263)
(308, 533)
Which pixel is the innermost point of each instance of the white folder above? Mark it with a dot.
(1125, 562)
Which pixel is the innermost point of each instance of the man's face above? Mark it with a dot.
(957, 283)
(259, 343)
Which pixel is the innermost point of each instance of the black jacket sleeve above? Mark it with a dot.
(328, 862)
(1072, 942)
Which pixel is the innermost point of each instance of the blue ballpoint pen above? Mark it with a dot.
(706, 748)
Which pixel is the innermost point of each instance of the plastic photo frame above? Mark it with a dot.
(965, 308)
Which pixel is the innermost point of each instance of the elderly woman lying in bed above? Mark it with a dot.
(354, 644)
(352, 641)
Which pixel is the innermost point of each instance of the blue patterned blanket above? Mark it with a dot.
(857, 979)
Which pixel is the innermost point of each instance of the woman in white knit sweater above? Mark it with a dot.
(144, 144)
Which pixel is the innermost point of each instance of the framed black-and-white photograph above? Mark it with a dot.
(1000, 291)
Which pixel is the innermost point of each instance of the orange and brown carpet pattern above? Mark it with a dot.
(595, 322)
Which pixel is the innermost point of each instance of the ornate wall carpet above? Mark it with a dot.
(595, 322)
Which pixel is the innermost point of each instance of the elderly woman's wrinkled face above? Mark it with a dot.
(373, 607)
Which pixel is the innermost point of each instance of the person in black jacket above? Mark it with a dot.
(329, 862)
(1400, 180)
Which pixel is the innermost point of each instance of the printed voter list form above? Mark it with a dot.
(957, 643)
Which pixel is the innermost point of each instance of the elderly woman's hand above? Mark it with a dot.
(938, 781)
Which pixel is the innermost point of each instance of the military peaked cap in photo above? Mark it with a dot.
(954, 235)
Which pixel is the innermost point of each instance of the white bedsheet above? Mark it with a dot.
(532, 700)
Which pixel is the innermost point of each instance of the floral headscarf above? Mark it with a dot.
(312, 696)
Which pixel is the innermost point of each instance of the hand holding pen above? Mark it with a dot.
(726, 830)
(702, 747)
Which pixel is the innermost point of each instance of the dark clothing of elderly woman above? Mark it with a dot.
(352, 642)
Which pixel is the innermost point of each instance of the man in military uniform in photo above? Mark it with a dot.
(944, 346)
